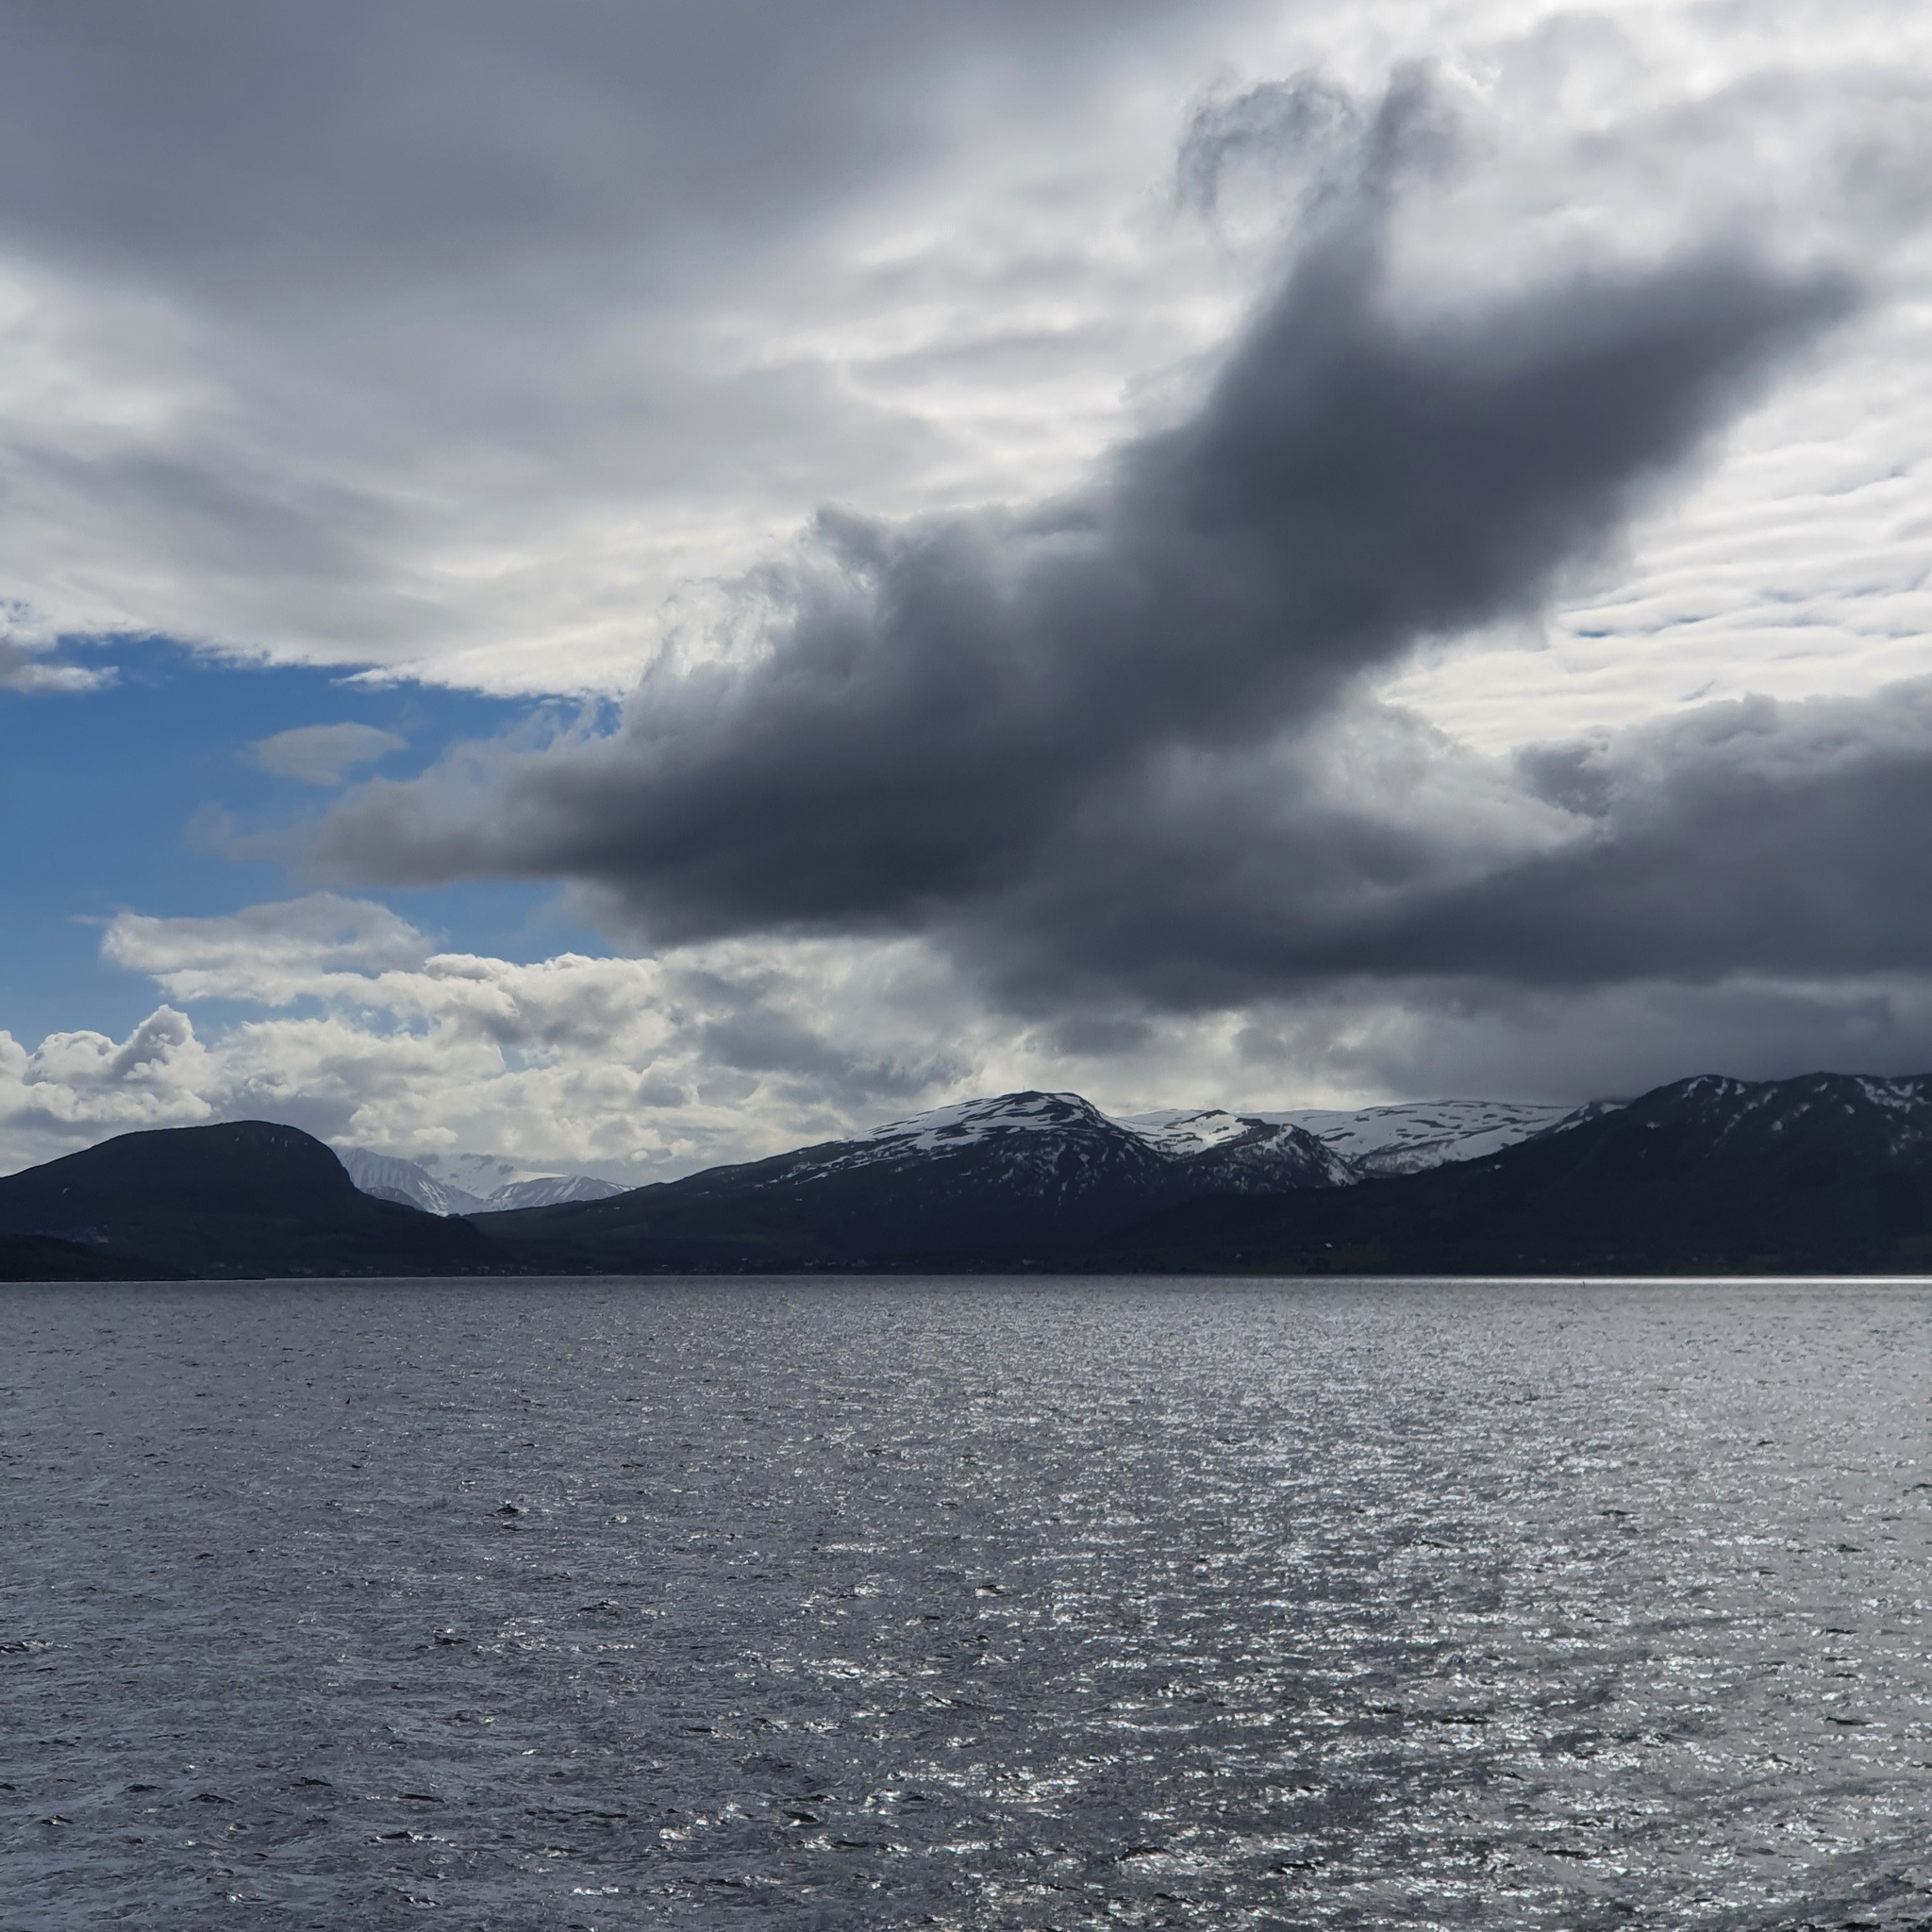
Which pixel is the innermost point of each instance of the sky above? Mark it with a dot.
(630, 586)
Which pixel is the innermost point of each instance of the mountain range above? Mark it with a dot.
(1827, 1172)
(1019, 1176)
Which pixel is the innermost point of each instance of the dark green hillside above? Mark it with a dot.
(1824, 1174)
(39, 1257)
(247, 1198)
(791, 1211)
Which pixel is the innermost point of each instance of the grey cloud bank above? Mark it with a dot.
(386, 145)
(453, 336)
(473, 343)
(1744, 837)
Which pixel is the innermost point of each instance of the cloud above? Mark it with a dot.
(1374, 1038)
(967, 723)
(643, 1069)
(454, 342)
(1746, 838)
(1328, 714)
(362, 1031)
(77, 1088)
(323, 754)
(24, 669)
(1744, 835)
(273, 953)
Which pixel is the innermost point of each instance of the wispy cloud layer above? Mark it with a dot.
(323, 754)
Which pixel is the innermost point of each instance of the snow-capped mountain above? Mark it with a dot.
(502, 1183)
(1840, 1120)
(390, 1178)
(1408, 1136)
(1824, 1174)
(550, 1190)
(1034, 1134)
(455, 1184)
(1402, 1137)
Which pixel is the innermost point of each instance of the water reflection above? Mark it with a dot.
(970, 1605)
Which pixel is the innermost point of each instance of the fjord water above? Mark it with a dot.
(1015, 1604)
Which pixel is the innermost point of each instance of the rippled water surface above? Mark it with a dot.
(966, 1604)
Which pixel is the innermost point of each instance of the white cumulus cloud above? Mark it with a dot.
(365, 1034)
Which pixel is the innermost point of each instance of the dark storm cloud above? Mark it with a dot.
(965, 722)
(755, 1040)
(1752, 837)
(1785, 838)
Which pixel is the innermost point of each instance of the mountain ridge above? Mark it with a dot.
(1824, 1173)
(1406, 1137)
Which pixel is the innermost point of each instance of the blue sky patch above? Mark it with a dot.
(101, 790)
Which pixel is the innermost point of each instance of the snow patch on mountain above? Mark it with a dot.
(1734, 1111)
(1402, 1137)
(549, 1190)
(966, 1122)
(1408, 1136)
(1183, 1130)
(1042, 1141)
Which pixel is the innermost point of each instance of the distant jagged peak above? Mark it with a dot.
(390, 1177)
(1898, 1092)
(1895, 1108)
(553, 1190)
(418, 1184)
